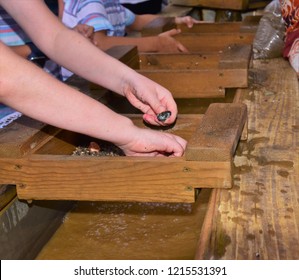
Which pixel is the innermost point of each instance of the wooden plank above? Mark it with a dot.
(211, 27)
(157, 26)
(173, 61)
(218, 134)
(7, 194)
(200, 42)
(42, 177)
(23, 136)
(235, 56)
(249, 26)
(258, 218)
(204, 75)
(199, 75)
(207, 227)
(198, 83)
(232, 57)
(126, 54)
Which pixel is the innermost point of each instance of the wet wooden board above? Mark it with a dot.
(25, 229)
(218, 134)
(110, 179)
(202, 75)
(208, 36)
(207, 42)
(24, 135)
(232, 57)
(258, 217)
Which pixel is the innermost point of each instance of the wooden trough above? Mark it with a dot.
(40, 163)
(219, 58)
(247, 27)
(192, 75)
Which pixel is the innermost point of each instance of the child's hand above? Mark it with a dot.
(167, 43)
(189, 21)
(150, 98)
(148, 142)
(85, 30)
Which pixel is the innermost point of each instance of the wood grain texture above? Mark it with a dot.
(250, 25)
(200, 42)
(52, 177)
(259, 217)
(218, 134)
(235, 57)
(232, 57)
(198, 83)
(53, 174)
(24, 136)
(159, 25)
(125, 54)
(202, 75)
(173, 61)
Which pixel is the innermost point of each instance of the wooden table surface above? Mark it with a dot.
(259, 217)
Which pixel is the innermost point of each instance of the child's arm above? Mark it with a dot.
(164, 42)
(33, 92)
(142, 20)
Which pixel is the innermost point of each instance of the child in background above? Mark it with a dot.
(29, 90)
(111, 21)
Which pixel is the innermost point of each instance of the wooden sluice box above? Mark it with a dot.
(192, 75)
(219, 58)
(40, 163)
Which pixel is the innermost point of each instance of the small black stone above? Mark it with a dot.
(162, 117)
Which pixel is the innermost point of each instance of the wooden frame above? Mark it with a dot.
(202, 75)
(162, 24)
(192, 75)
(51, 173)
